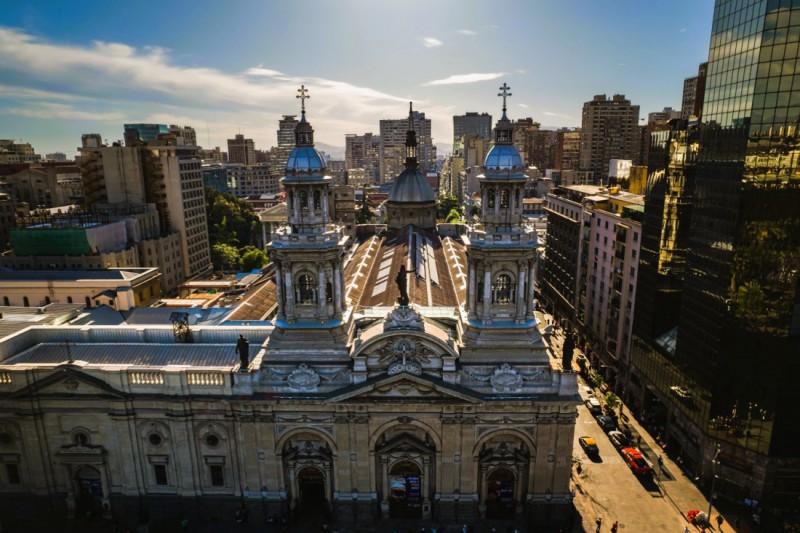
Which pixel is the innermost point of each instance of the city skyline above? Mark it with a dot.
(82, 68)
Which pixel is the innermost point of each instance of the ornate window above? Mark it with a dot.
(303, 199)
(504, 198)
(480, 291)
(329, 292)
(516, 198)
(490, 194)
(317, 200)
(306, 289)
(503, 289)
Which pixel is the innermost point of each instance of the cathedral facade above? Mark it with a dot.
(402, 375)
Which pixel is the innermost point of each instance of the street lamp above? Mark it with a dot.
(354, 493)
(456, 497)
(713, 483)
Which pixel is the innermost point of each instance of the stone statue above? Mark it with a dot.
(567, 349)
(402, 284)
(243, 349)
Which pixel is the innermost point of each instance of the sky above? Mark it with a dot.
(74, 67)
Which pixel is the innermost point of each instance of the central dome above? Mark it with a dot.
(503, 157)
(411, 187)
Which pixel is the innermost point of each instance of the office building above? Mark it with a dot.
(716, 345)
(393, 151)
(364, 152)
(186, 135)
(285, 133)
(609, 130)
(568, 149)
(693, 91)
(479, 124)
(241, 150)
(139, 133)
(251, 180)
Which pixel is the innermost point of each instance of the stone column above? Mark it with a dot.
(264, 234)
(328, 469)
(70, 499)
(289, 288)
(484, 494)
(472, 287)
(384, 483)
(292, 485)
(321, 304)
(325, 207)
(105, 487)
(310, 202)
(338, 297)
(426, 488)
(279, 286)
(519, 489)
(496, 204)
(487, 291)
(522, 278)
(531, 288)
(295, 207)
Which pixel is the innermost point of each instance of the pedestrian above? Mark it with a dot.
(599, 523)
(614, 527)
(720, 520)
(686, 530)
(661, 462)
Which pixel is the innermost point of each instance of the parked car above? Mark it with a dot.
(636, 461)
(594, 406)
(618, 439)
(589, 446)
(606, 422)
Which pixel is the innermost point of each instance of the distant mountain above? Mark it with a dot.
(336, 152)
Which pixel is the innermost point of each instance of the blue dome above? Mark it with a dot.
(411, 187)
(305, 159)
(503, 157)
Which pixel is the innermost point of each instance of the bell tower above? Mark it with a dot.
(501, 257)
(308, 252)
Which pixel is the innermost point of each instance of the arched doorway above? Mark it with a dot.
(500, 493)
(311, 488)
(89, 489)
(405, 490)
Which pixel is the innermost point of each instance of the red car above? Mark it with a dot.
(636, 461)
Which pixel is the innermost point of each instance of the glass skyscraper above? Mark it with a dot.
(716, 350)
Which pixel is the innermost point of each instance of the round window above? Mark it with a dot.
(155, 439)
(212, 440)
(80, 438)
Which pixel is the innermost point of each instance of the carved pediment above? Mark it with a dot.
(406, 387)
(66, 380)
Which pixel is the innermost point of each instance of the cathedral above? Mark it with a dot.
(402, 376)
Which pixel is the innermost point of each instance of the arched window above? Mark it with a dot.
(504, 198)
(5, 301)
(317, 200)
(329, 292)
(290, 198)
(25, 301)
(503, 289)
(88, 303)
(69, 299)
(47, 300)
(490, 194)
(306, 289)
(303, 199)
(516, 198)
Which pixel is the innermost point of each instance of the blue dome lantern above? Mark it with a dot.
(503, 160)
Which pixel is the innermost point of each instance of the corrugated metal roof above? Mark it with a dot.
(215, 355)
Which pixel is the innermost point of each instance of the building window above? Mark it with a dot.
(503, 198)
(490, 194)
(25, 301)
(5, 301)
(160, 472)
(317, 200)
(305, 289)
(303, 199)
(155, 439)
(12, 473)
(502, 289)
(329, 292)
(46, 300)
(217, 475)
(516, 198)
(69, 299)
(212, 441)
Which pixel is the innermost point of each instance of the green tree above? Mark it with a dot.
(253, 258)
(364, 213)
(454, 216)
(612, 400)
(597, 380)
(230, 220)
(447, 204)
(225, 257)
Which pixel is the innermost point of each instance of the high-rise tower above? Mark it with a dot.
(725, 371)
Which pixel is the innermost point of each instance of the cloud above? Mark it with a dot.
(682, 30)
(49, 111)
(521, 71)
(260, 71)
(559, 115)
(524, 105)
(431, 42)
(466, 78)
(142, 81)
(470, 33)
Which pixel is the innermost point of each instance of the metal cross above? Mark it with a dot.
(505, 94)
(302, 96)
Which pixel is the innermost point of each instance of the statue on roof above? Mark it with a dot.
(402, 284)
(243, 349)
